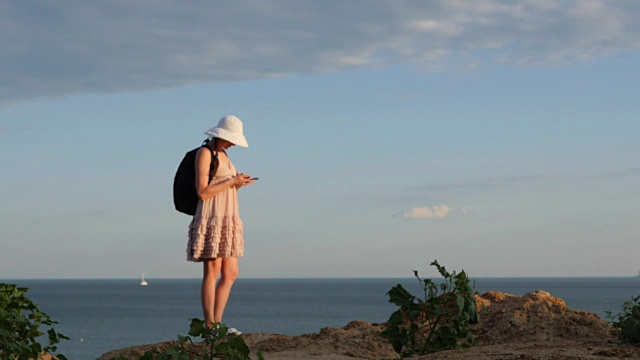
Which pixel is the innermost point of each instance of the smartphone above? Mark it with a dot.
(254, 178)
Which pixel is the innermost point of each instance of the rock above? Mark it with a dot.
(358, 339)
(536, 316)
(135, 352)
(534, 326)
(541, 350)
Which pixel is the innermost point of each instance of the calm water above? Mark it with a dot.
(103, 315)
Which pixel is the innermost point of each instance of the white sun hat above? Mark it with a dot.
(230, 129)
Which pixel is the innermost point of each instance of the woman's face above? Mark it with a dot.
(224, 144)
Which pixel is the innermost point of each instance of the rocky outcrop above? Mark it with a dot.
(359, 339)
(536, 316)
(534, 326)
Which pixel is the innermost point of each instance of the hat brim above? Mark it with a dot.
(235, 139)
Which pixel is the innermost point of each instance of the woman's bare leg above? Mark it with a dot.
(211, 270)
(229, 275)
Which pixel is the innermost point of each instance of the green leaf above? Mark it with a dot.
(239, 344)
(474, 317)
(196, 327)
(441, 269)
(399, 296)
(172, 351)
(395, 318)
(53, 336)
(460, 302)
(182, 339)
(222, 347)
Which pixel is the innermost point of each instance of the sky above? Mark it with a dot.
(496, 137)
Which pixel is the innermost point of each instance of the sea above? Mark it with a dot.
(103, 315)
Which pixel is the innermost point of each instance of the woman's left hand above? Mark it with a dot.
(245, 180)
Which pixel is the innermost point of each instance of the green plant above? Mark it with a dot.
(218, 343)
(627, 322)
(20, 321)
(438, 322)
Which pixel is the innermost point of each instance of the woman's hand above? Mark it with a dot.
(241, 180)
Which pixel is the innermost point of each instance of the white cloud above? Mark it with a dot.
(437, 27)
(58, 48)
(437, 212)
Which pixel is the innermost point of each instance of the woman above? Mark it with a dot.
(215, 233)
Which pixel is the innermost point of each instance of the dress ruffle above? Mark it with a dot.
(205, 238)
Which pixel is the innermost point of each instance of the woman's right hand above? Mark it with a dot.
(240, 180)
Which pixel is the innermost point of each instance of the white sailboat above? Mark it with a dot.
(143, 282)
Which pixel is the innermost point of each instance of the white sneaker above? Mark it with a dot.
(233, 331)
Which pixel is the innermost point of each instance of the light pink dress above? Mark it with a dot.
(216, 228)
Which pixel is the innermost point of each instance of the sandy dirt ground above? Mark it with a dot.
(534, 326)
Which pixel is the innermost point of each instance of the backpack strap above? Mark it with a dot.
(214, 158)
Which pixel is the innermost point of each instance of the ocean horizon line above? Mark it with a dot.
(317, 278)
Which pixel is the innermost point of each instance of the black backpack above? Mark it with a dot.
(185, 197)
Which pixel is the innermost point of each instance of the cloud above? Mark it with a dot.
(479, 184)
(624, 173)
(437, 212)
(50, 49)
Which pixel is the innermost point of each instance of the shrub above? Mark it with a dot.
(20, 321)
(627, 322)
(438, 322)
(217, 344)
